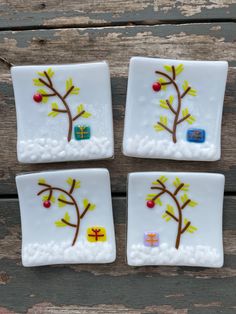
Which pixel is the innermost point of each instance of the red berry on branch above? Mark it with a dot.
(150, 204)
(156, 86)
(47, 204)
(38, 97)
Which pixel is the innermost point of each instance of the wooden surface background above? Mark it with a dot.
(56, 31)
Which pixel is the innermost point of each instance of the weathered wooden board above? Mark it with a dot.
(114, 288)
(56, 13)
(117, 45)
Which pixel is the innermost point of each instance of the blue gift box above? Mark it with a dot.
(82, 132)
(196, 135)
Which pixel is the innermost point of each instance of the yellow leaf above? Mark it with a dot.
(45, 198)
(85, 202)
(191, 120)
(177, 182)
(80, 108)
(54, 105)
(77, 184)
(170, 209)
(185, 221)
(192, 204)
(158, 201)
(42, 181)
(185, 112)
(179, 69)
(67, 217)
(185, 85)
(92, 207)
(53, 114)
(60, 223)
(37, 82)
(171, 99)
(185, 187)
(150, 196)
(69, 83)
(163, 179)
(163, 104)
(166, 217)
(75, 91)
(62, 197)
(50, 72)
(162, 80)
(184, 197)
(43, 92)
(69, 181)
(192, 92)
(168, 68)
(41, 73)
(163, 120)
(191, 229)
(86, 115)
(158, 127)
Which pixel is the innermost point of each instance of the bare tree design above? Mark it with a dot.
(168, 104)
(155, 199)
(45, 80)
(65, 198)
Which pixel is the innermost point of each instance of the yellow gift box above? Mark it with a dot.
(96, 234)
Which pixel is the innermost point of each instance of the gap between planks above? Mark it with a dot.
(118, 24)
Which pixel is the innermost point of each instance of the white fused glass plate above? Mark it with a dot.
(174, 109)
(175, 219)
(64, 112)
(66, 217)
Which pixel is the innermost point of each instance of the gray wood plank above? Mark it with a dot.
(117, 45)
(37, 13)
(113, 288)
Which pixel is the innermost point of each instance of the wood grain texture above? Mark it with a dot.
(57, 13)
(116, 287)
(117, 45)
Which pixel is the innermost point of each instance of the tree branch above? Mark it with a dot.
(68, 92)
(48, 95)
(165, 127)
(185, 92)
(50, 195)
(78, 115)
(185, 204)
(48, 77)
(85, 211)
(184, 118)
(178, 188)
(170, 106)
(65, 201)
(172, 216)
(68, 223)
(173, 72)
(173, 132)
(44, 184)
(158, 195)
(161, 183)
(72, 186)
(59, 110)
(65, 105)
(186, 227)
(166, 83)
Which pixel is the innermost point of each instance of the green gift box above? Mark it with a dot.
(82, 132)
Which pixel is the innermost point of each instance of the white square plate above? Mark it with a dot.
(64, 112)
(66, 217)
(181, 226)
(174, 109)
